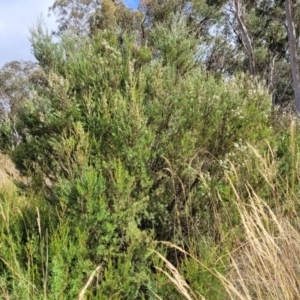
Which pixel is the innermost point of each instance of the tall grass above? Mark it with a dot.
(8, 172)
(264, 262)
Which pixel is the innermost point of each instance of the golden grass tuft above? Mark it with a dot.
(8, 172)
(265, 261)
(266, 265)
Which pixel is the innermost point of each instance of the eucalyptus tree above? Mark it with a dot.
(280, 36)
(84, 17)
(293, 52)
(16, 79)
(260, 31)
(17, 82)
(73, 15)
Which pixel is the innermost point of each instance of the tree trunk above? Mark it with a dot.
(293, 53)
(245, 38)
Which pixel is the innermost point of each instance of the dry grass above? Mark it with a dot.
(265, 264)
(176, 278)
(9, 175)
(8, 172)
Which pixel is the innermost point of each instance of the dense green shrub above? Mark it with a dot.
(125, 146)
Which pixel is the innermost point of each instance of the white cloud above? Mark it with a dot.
(17, 16)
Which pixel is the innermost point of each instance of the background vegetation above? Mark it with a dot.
(141, 171)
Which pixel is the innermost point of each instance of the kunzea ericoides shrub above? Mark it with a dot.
(126, 151)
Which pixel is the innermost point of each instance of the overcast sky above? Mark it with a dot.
(16, 17)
